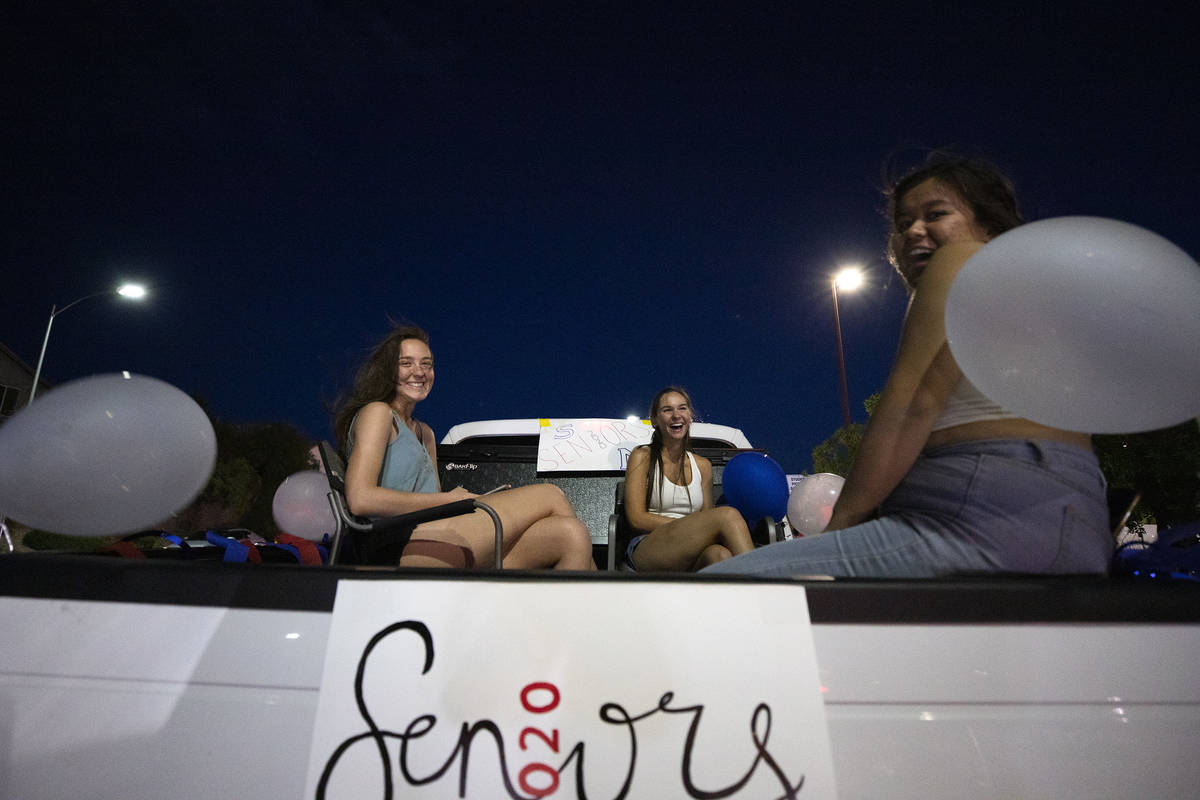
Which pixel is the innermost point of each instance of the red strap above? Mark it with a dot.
(252, 553)
(307, 550)
(126, 550)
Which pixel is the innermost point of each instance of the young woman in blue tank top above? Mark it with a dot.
(668, 496)
(945, 481)
(390, 470)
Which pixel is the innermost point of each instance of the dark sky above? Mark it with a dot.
(580, 202)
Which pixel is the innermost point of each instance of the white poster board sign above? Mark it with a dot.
(569, 689)
(588, 445)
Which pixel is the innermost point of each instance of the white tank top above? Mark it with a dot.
(967, 404)
(680, 500)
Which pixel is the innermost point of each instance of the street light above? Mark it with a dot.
(847, 279)
(130, 291)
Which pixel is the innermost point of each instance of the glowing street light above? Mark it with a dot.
(130, 291)
(847, 279)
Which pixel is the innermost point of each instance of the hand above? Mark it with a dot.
(459, 493)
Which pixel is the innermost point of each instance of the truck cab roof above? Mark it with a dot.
(526, 431)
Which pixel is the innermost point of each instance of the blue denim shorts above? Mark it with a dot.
(633, 543)
(998, 505)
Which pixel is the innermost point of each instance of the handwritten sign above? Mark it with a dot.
(589, 445)
(580, 689)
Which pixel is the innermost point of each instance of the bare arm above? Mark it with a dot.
(372, 433)
(705, 480)
(915, 393)
(636, 475)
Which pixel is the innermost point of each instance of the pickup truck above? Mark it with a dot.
(482, 455)
(164, 677)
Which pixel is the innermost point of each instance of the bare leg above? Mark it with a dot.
(423, 551)
(558, 542)
(711, 555)
(681, 544)
(540, 530)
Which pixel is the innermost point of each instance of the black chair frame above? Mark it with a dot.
(382, 540)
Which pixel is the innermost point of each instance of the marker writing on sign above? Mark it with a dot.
(610, 713)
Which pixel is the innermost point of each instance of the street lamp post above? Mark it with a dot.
(848, 280)
(131, 291)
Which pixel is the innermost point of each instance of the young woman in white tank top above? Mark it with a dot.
(668, 498)
(945, 481)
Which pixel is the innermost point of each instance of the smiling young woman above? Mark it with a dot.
(668, 497)
(390, 470)
(946, 481)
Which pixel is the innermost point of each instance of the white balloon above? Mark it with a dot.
(1081, 323)
(301, 506)
(104, 455)
(810, 505)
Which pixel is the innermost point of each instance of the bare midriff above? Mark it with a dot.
(1005, 429)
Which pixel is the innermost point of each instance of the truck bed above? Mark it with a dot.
(149, 679)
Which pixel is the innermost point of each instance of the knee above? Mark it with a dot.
(730, 518)
(576, 532)
(575, 543)
(555, 500)
(711, 555)
(569, 532)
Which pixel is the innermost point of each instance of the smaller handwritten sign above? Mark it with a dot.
(582, 689)
(589, 445)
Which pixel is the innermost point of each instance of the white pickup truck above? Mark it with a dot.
(161, 677)
(485, 454)
(152, 679)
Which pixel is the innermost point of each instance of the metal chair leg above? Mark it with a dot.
(499, 531)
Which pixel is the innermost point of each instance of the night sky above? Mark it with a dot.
(580, 202)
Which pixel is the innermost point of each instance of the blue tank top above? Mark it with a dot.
(406, 463)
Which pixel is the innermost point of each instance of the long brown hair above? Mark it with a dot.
(656, 445)
(376, 378)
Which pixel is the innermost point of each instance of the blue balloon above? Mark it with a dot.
(756, 486)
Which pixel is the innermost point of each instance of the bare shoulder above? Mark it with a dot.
(639, 456)
(927, 306)
(947, 261)
(375, 414)
(639, 461)
(703, 463)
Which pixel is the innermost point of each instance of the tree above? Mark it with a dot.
(1163, 465)
(836, 454)
(252, 460)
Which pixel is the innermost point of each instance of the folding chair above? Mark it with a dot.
(383, 540)
(619, 531)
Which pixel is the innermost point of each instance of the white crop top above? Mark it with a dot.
(967, 404)
(681, 500)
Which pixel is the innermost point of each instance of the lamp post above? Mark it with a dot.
(132, 291)
(847, 279)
